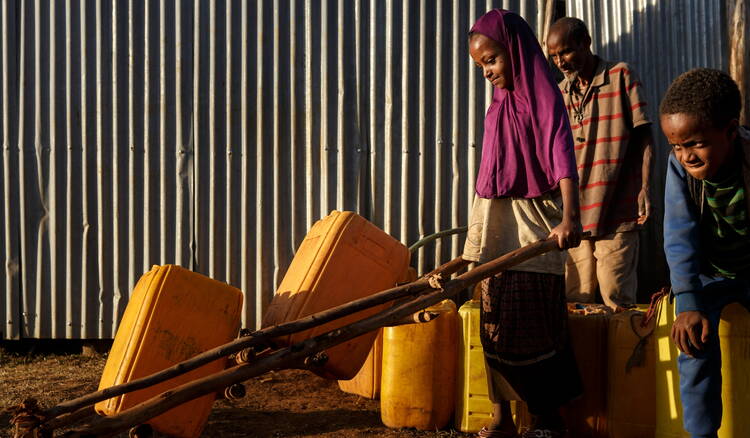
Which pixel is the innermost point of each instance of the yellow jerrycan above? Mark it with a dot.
(473, 405)
(631, 409)
(419, 371)
(668, 407)
(367, 381)
(734, 335)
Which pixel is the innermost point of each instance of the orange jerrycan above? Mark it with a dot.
(173, 315)
(367, 381)
(343, 258)
(630, 396)
(734, 335)
(586, 417)
(419, 371)
(473, 405)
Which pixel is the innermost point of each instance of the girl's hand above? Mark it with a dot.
(568, 234)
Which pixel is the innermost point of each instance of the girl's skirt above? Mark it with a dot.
(524, 321)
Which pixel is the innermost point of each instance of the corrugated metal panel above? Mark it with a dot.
(660, 39)
(213, 134)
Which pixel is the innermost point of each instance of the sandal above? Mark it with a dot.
(544, 433)
(495, 433)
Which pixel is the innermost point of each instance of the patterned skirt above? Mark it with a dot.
(524, 317)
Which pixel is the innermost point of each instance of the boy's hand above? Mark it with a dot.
(690, 332)
(568, 234)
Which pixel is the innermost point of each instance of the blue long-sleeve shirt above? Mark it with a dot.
(682, 241)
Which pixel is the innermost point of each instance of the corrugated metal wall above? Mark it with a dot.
(660, 39)
(212, 135)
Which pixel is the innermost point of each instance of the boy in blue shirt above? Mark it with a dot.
(706, 230)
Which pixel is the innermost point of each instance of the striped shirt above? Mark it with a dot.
(727, 235)
(602, 118)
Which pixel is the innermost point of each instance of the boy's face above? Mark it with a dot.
(493, 59)
(700, 147)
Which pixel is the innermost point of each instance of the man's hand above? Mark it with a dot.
(644, 206)
(690, 332)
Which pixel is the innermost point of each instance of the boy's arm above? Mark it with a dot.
(682, 239)
(682, 247)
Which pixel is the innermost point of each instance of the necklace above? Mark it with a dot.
(578, 110)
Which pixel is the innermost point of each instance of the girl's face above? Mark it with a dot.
(493, 59)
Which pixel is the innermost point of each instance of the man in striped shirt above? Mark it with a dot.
(613, 146)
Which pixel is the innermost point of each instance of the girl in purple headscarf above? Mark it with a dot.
(526, 191)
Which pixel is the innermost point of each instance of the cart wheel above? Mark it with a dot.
(234, 392)
(141, 431)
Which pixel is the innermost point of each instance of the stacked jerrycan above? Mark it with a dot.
(668, 407)
(631, 408)
(343, 258)
(173, 314)
(586, 417)
(419, 371)
(734, 335)
(618, 400)
(473, 405)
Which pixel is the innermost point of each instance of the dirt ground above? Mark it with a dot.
(289, 404)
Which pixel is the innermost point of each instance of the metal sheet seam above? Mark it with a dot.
(388, 128)
(455, 134)
(421, 198)
(259, 196)
(245, 184)
(438, 131)
(405, 140)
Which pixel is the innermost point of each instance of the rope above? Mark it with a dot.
(654, 308)
(638, 356)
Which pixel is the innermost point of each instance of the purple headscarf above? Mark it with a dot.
(528, 145)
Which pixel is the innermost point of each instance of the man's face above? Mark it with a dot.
(493, 59)
(568, 55)
(700, 147)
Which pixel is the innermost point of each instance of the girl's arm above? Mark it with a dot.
(569, 231)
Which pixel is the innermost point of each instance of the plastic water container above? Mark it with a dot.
(586, 417)
(343, 258)
(473, 405)
(631, 402)
(173, 314)
(367, 381)
(418, 385)
(734, 335)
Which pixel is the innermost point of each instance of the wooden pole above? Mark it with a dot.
(295, 355)
(256, 339)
